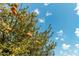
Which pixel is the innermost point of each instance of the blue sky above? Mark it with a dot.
(65, 23)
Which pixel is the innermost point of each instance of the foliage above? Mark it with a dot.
(20, 36)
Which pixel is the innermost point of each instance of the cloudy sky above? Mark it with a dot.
(65, 23)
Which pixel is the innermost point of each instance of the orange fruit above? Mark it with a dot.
(14, 12)
(13, 8)
(29, 34)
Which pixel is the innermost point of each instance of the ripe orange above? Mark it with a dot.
(13, 8)
(29, 34)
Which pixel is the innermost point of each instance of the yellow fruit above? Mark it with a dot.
(4, 24)
(9, 29)
(16, 49)
(29, 34)
(37, 42)
(21, 18)
(6, 31)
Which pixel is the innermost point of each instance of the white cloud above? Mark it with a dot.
(77, 12)
(76, 51)
(77, 45)
(77, 8)
(62, 39)
(46, 4)
(69, 52)
(41, 20)
(57, 38)
(65, 54)
(65, 46)
(48, 13)
(60, 33)
(37, 11)
(77, 32)
(61, 52)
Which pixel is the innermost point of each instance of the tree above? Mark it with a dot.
(19, 33)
